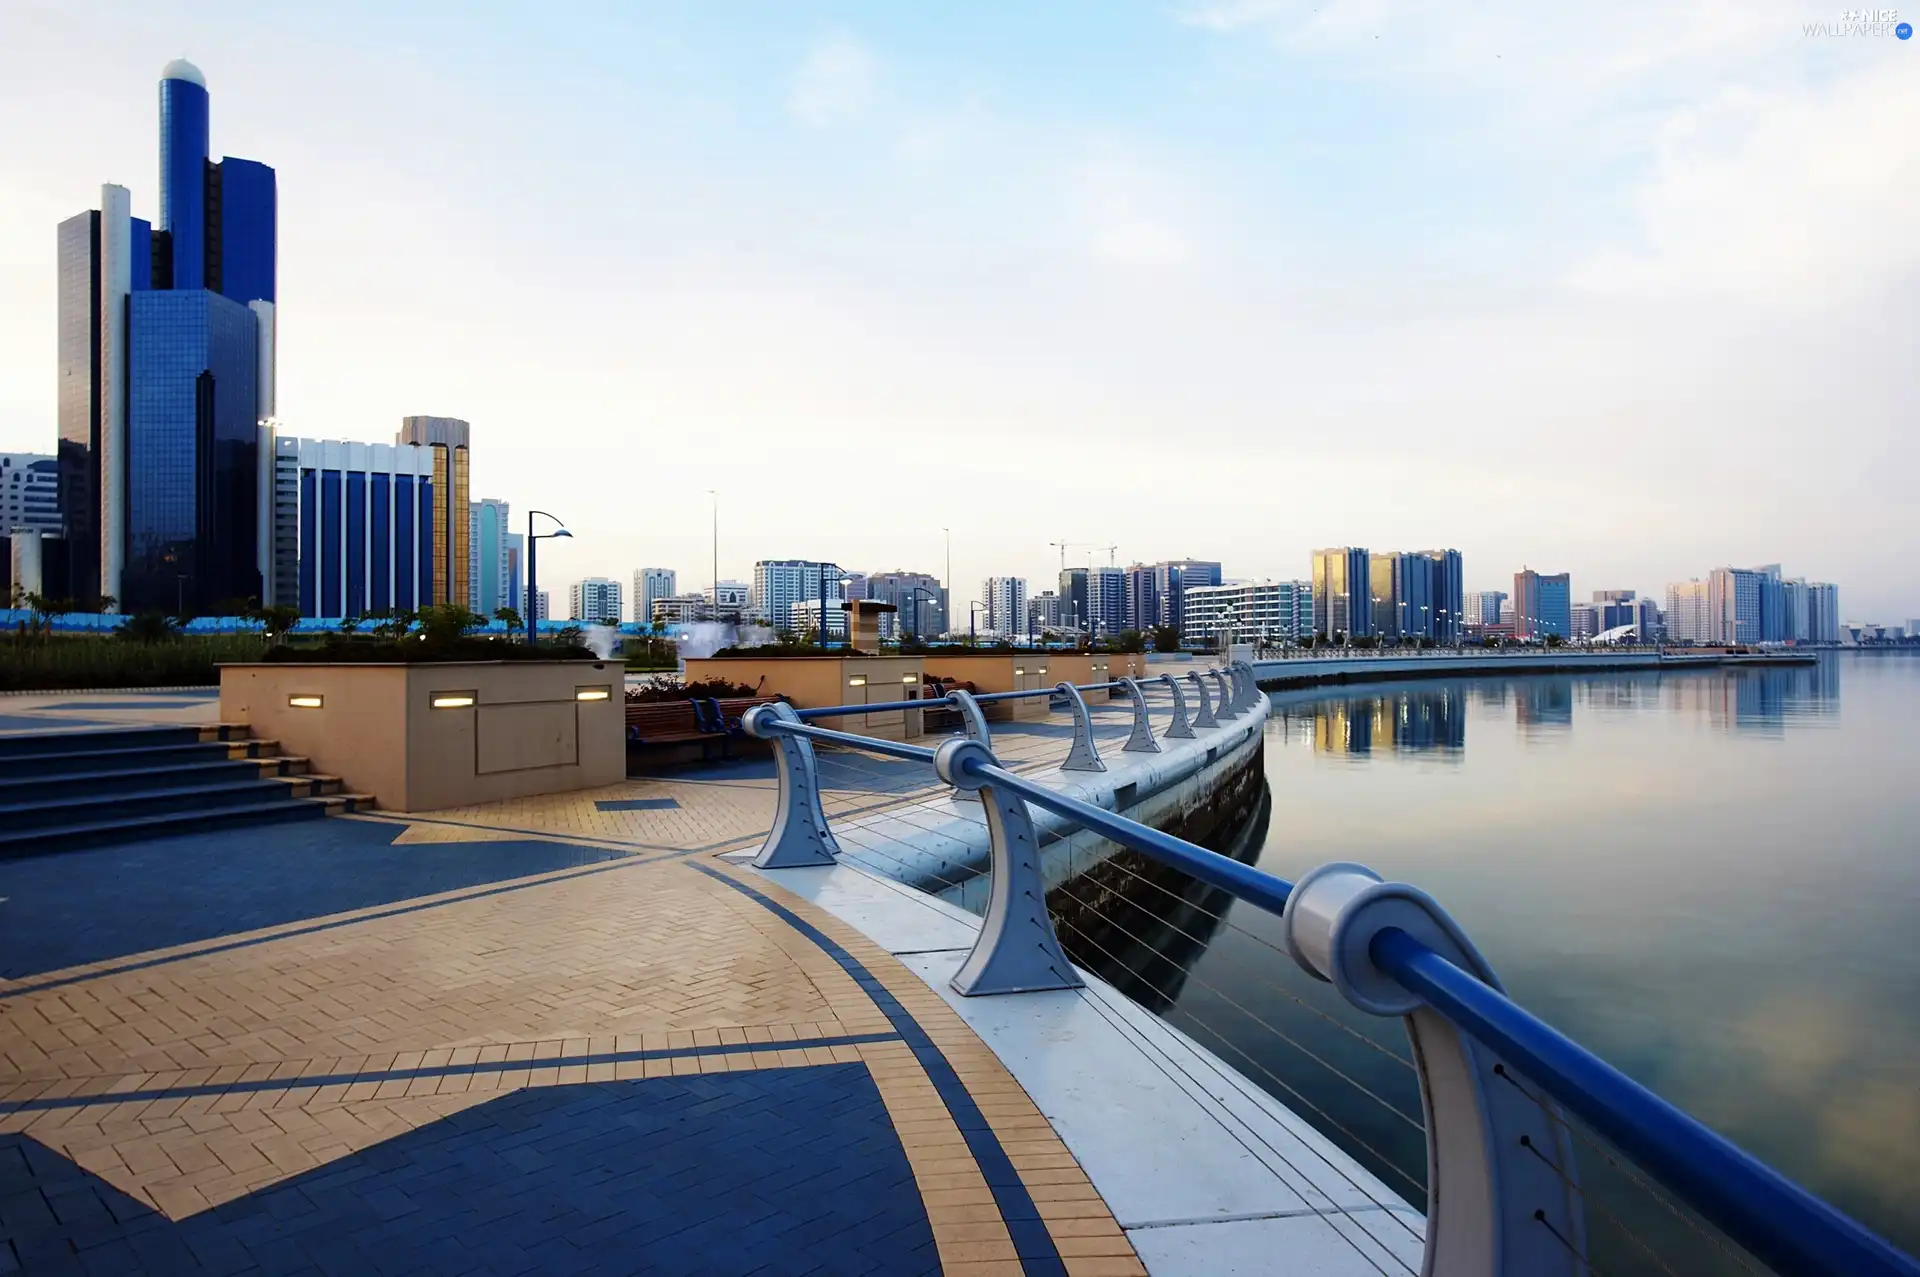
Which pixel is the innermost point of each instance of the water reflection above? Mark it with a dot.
(1431, 717)
(1709, 877)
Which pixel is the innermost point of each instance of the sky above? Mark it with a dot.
(1624, 290)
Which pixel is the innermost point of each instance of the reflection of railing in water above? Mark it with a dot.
(1140, 925)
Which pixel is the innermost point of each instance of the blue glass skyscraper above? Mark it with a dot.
(166, 359)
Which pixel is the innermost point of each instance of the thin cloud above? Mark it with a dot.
(835, 84)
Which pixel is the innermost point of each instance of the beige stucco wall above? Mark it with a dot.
(999, 672)
(1097, 667)
(814, 682)
(526, 732)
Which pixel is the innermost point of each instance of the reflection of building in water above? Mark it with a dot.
(1760, 701)
(1430, 719)
(1544, 702)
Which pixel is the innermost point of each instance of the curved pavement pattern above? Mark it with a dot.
(558, 1035)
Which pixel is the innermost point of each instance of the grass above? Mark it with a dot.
(61, 663)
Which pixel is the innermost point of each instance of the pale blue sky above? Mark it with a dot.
(1624, 290)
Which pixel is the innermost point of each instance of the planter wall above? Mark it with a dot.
(815, 682)
(499, 730)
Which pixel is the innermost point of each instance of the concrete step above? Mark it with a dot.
(111, 782)
(72, 752)
(32, 743)
(161, 800)
(114, 829)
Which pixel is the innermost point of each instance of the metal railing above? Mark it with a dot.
(1497, 1084)
(1571, 648)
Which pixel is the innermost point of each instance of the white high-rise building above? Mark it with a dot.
(734, 597)
(1006, 600)
(649, 586)
(595, 600)
(780, 583)
(1264, 611)
(1687, 617)
(29, 492)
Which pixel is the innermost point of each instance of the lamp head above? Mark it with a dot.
(561, 532)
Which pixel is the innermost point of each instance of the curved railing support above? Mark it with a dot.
(1203, 717)
(973, 721)
(1499, 1160)
(1083, 757)
(1227, 708)
(1251, 682)
(1017, 950)
(800, 835)
(1141, 740)
(1181, 729)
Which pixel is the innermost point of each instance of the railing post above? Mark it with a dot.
(1499, 1159)
(1251, 681)
(1083, 757)
(1017, 950)
(1181, 729)
(800, 835)
(1141, 740)
(1227, 709)
(973, 725)
(1203, 718)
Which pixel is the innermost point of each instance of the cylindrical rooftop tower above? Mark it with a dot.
(183, 170)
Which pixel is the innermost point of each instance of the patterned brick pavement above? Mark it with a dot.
(549, 1035)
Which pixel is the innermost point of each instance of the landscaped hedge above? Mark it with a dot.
(71, 663)
(413, 651)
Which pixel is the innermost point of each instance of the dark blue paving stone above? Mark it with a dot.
(112, 902)
(636, 804)
(777, 1172)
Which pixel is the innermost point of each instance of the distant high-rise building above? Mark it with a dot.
(595, 600)
(539, 607)
(279, 517)
(1647, 621)
(29, 492)
(1733, 605)
(1252, 611)
(1613, 596)
(517, 572)
(1416, 594)
(1006, 600)
(488, 580)
(363, 523)
(1143, 597)
(1076, 608)
(1542, 604)
(921, 599)
(650, 584)
(1170, 581)
(1483, 607)
(1342, 594)
(807, 614)
(1043, 613)
(1107, 600)
(1584, 620)
(1687, 614)
(1448, 617)
(447, 437)
(780, 583)
(735, 598)
(680, 609)
(1823, 612)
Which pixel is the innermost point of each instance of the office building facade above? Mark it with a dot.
(1542, 605)
(365, 526)
(516, 552)
(166, 363)
(29, 492)
(1687, 613)
(489, 573)
(278, 516)
(1483, 607)
(1171, 578)
(447, 440)
(780, 583)
(595, 601)
(1044, 612)
(1107, 601)
(1006, 600)
(1266, 612)
(649, 585)
(920, 598)
(1342, 593)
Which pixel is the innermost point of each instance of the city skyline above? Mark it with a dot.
(1539, 452)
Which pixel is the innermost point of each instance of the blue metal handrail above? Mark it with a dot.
(935, 702)
(1780, 1223)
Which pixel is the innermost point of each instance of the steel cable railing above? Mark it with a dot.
(1502, 1193)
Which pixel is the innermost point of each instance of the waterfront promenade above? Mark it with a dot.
(577, 1033)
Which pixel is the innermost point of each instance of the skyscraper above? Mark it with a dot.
(1170, 581)
(365, 526)
(1107, 599)
(595, 600)
(921, 599)
(1733, 605)
(1342, 594)
(488, 581)
(1483, 606)
(650, 584)
(166, 362)
(1687, 612)
(1542, 605)
(1006, 600)
(448, 438)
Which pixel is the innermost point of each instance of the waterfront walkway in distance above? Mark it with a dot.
(563, 1034)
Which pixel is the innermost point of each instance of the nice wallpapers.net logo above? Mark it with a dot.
(1856, 23)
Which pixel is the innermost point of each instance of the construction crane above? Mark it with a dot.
(1064, 546)
(1111, 551)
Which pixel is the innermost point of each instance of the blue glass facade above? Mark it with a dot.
(382, 520)
(309, 545)
(192, 452)
(242, 216)
(405, 523)
(184, 115)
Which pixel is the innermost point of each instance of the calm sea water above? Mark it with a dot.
(1712, 879)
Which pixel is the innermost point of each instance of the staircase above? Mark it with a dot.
(61, 790)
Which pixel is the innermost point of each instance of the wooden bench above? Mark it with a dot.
(700, 720)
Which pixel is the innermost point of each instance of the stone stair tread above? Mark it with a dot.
(210, 747)
(157, 826)
(215, 765)
(264, 784)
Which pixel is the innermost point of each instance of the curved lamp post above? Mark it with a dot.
(533, 575)
(918, 590)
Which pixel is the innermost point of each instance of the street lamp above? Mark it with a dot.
(533, 573)
(972, 608)
(918, 590)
